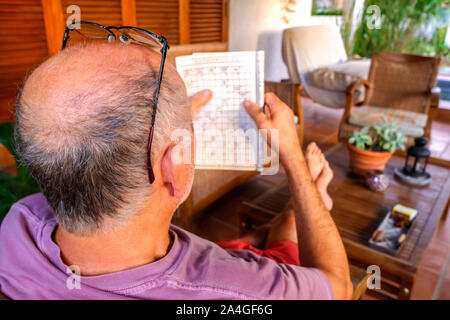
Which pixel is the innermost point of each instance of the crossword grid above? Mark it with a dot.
(231, 85)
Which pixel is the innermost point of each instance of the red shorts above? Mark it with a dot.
(283, 251)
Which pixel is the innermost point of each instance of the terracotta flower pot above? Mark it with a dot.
(364, 161)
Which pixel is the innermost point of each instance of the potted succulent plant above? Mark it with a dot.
(371, 147)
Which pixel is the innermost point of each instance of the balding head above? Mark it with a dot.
(83, 119)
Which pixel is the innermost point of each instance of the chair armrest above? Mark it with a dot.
(350, 93)
(435, 96)
(351, 88)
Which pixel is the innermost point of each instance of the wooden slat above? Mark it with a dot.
(128, 12)
(54, 25)
(105, 12)
(23, 45)
(206, 20)
(184, 22)
(225, 20)
(161, 17)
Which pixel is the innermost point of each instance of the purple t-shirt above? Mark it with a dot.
(194, 268)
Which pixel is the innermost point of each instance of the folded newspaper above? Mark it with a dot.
(226, 136)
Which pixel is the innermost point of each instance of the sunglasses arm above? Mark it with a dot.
(65, 37)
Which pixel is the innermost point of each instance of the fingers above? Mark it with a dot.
(275, 105)
(270, 98)
(255, 112)
(200, 100)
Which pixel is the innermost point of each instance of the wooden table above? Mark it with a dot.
(358, 211)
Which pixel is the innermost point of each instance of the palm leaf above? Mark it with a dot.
(13, 187)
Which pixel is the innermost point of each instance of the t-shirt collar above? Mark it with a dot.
(120, 280)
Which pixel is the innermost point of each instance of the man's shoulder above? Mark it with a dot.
(205, 267)
(243, 274)
(33, 207)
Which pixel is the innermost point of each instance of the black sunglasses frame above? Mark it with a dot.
(164, 48)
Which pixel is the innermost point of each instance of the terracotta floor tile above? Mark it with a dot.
(437, 147)
(444, 293)
(435, 256)
(444, 290)
(443, 229)
(440, 131)
(446, 153)
(424, 285)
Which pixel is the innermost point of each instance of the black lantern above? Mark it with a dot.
(414, 171)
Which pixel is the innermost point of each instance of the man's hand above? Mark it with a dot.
(278, 116)
(321, 244)
(200, 100)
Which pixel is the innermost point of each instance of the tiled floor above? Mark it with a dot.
(220, 221)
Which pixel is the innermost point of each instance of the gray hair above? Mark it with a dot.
(96, 171)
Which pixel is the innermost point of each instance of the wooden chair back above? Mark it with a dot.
(401, 81)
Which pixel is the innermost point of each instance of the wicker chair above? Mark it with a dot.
(400, 89)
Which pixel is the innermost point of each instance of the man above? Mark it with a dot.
(82, 124)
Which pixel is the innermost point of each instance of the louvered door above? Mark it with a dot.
(206, 18)
(25, 41)
(159, 16)
(105, 12)
(22, 47)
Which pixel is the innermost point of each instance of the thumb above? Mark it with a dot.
(255, 112)
(199, 100)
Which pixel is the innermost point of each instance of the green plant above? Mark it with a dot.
(381, 138)
(388, 138)
(327, 13)
(404, 28)
(361, 139)
(326, 8)
(13, 187)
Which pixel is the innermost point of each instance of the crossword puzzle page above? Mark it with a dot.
(226, 136)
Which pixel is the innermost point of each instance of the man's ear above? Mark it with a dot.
(174, 174)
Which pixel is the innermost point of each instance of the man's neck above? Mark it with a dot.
(144, 239)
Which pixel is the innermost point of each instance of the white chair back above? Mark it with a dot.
(307, 48)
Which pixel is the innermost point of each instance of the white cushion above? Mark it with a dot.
(339, 76)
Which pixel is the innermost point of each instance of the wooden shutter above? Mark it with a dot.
(206, 18)
(22, 47)
(159, 16)
(105, 12)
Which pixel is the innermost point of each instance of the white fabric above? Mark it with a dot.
(308, 48)
(274, 68)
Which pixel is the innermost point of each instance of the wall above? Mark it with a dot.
(248, 18)
(258, 25)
